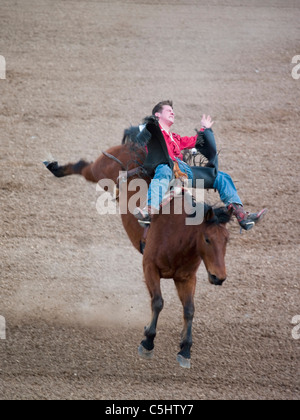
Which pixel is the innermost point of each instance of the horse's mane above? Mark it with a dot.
(221, 214)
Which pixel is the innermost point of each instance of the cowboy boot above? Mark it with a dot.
(246, 220)
(144, 216)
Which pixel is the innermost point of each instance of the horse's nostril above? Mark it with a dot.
(215, 280)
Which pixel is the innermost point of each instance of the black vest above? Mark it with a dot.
(152, 137)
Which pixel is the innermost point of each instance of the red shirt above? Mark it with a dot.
(176, 143)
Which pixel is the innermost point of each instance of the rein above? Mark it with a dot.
(108, 155)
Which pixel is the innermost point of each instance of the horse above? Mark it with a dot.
(174, 250)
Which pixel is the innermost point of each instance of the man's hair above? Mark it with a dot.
(160, 105)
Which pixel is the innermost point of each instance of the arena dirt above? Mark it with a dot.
(71, 285)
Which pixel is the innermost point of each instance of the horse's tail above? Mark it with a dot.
(80, 168)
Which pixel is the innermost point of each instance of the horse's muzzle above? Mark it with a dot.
(214, 280)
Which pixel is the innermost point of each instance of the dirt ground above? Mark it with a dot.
(71, 284)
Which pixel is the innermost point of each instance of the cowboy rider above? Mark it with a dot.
(172, 145)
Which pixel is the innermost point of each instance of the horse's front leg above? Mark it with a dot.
(153, 283)
(186, 291)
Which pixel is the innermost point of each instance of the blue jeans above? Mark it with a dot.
(164, 175)
(227, 190)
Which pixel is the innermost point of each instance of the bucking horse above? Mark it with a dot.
(172, 249)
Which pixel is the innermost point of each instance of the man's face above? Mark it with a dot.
(166, 116)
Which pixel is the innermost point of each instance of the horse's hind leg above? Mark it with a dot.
(80, 168)
(153, 283)
(186, 292)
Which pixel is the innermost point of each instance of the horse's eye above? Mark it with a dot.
(207, 241)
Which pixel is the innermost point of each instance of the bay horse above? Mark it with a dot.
(173, 249)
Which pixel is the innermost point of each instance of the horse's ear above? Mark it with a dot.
(209, 215)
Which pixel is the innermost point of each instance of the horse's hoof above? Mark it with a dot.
(184, 363)
(51, 165)
(144, 353)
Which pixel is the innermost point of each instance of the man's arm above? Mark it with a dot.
(190, 142)
(206, 143)
(186, 142)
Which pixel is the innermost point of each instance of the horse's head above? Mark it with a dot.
(214, 239)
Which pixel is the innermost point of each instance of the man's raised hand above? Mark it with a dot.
(206, 121)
